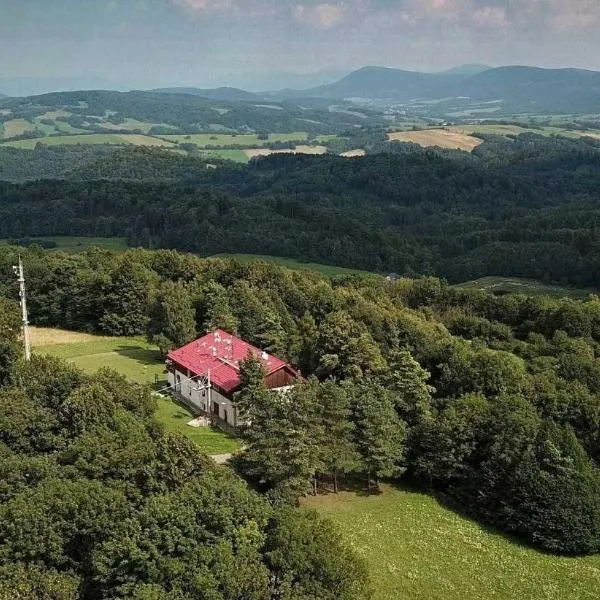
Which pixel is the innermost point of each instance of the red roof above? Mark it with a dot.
(219, 353)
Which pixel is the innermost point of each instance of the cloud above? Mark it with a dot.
(324, 16)
(493, 17)
(204, 5)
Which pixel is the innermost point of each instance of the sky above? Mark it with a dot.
(259, 44)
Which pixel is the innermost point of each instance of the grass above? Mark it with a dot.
(93, 138)
(290, 263)
(175, 418)
(137, 360)
(529, 287)
(235, 155)
(242, 140)
(132, 357)
(417, 549)
(74, 244)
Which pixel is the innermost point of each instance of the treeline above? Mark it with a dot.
(523, 207)
(491, 402)
(98, 501)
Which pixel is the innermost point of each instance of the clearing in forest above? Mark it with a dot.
(254, 152)
(441, 138)
(137, 360)
(17, 127)
(416, 549)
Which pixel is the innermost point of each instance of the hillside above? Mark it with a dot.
(516, 89)
(157, 113)
(417, 549)
(522, 207)
(226, 94)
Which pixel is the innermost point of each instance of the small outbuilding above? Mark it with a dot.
(206, 374)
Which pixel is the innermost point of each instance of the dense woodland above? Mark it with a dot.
(515, 207)
(492, 403)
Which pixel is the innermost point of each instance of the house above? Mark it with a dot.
(206, 374)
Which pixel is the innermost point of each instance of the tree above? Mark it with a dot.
(10, 327)
(379, 433)
(172, 318)
(409, 387)
(307, 559)
(338, 451)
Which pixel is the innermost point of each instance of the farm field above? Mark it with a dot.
(255, 152)
(529, 287)
(17, 127)
(93, 138)
(242, 140)
(417, 549)
(138, 361)
(437, 137)
(290, 263)
(74, 245)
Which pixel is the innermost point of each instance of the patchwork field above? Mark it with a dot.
(94, 138)
(139, 362)
(17, 127)
(242, 140)
(529, 287)
(437, 137)
(417, 549)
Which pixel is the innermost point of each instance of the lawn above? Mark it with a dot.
(530, 287)
(417, 549)
(290, 263)
(175, 418)
(74, 244)
(132, 357)
(139, 361)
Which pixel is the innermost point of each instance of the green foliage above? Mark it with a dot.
(9, 334)
(172, 318)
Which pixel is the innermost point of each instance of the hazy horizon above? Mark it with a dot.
(267, 44)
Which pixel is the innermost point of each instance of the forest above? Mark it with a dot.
(490, 402)
(524, 206)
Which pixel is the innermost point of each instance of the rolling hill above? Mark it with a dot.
(225, 94)
(514, 88)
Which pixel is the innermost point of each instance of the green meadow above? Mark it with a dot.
(529, 287)
(416, 549)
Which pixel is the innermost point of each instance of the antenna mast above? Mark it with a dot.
(21, 277)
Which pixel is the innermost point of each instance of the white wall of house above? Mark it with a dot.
(200, 398)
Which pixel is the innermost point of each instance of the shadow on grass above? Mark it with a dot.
(143, 356)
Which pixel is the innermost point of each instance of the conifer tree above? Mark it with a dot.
(338, 451)
(379, 432)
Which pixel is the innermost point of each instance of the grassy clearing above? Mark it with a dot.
(234, 155)
(254, 152)
(132, 357)
(529, 287)
(74, 244)
(139, 361)
(290, 263)
(93, 138)
(437, 137)
(17, 127)
(242, 140)
(417, 549)
(175, 418)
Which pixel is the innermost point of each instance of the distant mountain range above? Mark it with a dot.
(224, 94)
(515, 88)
